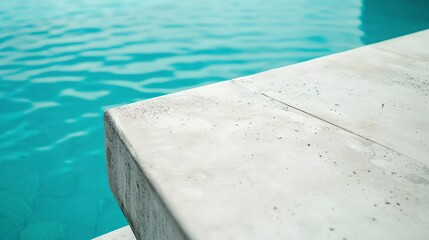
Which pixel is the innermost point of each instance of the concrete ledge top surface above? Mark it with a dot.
(333, 148)
(123, 233)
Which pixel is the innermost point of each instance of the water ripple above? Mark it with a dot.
(84, 95)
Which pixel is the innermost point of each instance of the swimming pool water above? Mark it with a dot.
(63, 62)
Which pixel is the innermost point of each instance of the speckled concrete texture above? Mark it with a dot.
(333, 148)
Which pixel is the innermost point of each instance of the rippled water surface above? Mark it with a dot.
(63, 62)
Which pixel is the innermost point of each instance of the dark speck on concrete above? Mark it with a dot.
(387, 202)
(308, 144)
(332, 229)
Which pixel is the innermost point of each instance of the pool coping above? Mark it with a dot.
(358, 99)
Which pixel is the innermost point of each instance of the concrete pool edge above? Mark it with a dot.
(133, 169)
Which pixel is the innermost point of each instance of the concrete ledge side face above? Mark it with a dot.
(134, 194)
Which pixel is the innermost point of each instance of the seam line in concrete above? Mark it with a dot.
(397, 53)
(335, 125)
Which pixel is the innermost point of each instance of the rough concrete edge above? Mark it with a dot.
(169, 219)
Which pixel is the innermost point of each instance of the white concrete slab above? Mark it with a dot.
(379, 94)
(124, 233)
(334, 148)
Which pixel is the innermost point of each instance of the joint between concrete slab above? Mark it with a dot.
(396, 53)
(335, 125)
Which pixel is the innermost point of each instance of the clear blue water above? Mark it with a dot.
(62, 62)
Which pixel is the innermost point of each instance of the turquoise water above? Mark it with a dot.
(63, 62)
